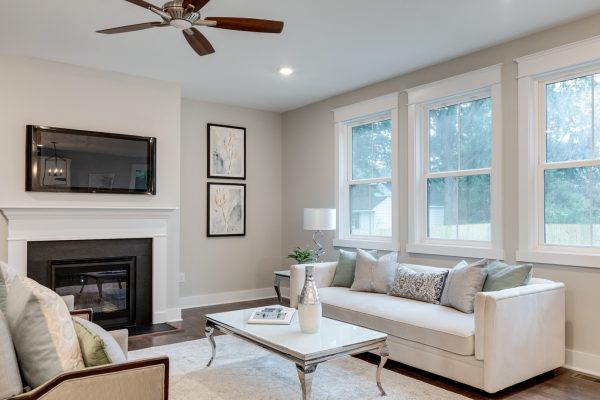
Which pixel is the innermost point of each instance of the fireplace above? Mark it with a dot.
(112, 277)
(29, 227)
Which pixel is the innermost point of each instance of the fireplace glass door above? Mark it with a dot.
(105, 285)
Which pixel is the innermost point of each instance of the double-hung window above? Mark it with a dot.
(559, 129)
(366, 141)
(455, 199)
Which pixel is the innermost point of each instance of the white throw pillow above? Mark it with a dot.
(7, 274)
(372, 274)
(463, 283)
(42, 332)
(10, 378)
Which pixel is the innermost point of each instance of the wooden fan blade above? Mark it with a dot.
(132, 28)
(198, 4)
(198, 41)
(247, 24)
(141, 3)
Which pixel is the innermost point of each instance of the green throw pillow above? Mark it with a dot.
(98, 347)
(503, 276)
(344, 272)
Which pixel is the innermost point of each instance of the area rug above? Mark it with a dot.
(244, 371)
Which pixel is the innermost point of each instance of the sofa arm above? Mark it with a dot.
(324, 273)
(137, 380)
(519, 333)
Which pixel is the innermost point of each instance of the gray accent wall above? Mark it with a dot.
(227, 269)
(308, 172)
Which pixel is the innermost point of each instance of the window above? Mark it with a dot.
(458, 173)
(366, 142)
(571, 161)
(559, 156)
(454, 126)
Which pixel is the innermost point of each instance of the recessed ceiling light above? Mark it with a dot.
(286, 71)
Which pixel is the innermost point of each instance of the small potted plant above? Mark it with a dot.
(303, 256)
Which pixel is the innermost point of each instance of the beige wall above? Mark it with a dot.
(236, 268)
(34, 91)
(308, 172)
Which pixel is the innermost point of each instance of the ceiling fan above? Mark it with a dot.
(185, 16)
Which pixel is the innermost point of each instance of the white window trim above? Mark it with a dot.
(486, 81)
(347, 116)
(533, 71)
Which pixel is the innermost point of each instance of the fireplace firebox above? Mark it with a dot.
(111, 277)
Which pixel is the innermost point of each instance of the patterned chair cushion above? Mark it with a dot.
(416, 285)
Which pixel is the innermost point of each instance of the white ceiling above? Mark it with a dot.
(333, 45)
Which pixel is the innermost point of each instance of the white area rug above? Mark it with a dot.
(244, 371)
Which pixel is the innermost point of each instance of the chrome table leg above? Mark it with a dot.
(209, 334)
(384, 354)
(306, 375)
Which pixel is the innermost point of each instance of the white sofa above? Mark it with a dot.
(514, 334)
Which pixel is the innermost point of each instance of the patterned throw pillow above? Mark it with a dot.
(422, 286)
(42, 332)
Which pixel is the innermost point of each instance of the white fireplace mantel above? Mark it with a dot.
(27, 224)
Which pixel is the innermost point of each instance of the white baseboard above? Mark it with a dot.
(586, 363)
(226, 297)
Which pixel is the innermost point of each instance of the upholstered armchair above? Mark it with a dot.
(146, 379)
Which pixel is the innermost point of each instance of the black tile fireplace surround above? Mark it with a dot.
(113, 277)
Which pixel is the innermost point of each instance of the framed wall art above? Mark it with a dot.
(226, 152)
(226, 209)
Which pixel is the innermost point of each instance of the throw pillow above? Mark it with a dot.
(422, 286)
(503, 276)
(372, 274)
(463, 283)
(42, 332)
(7, 274)
(10, 379)
(98, 347)
(344, 272)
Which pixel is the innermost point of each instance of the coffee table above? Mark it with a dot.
(335, 339)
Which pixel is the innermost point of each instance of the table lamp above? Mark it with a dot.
(318, 220)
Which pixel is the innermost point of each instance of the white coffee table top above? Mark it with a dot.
(334, 336)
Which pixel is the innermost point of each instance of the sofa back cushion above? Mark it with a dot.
(463, 283)
(10, 378)
(424, 286)
(344, 272)
(42, 332)
(372, 274)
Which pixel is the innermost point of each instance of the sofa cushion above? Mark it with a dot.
(10, 378)
(42, 332)
(463, 283)
(441, 327)
(373, 274)
(344, 272)
(422, 286)
(98, 347)
(7, 274)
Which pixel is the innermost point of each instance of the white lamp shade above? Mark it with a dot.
(319, 219)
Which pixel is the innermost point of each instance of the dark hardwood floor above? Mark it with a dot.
(562, 384)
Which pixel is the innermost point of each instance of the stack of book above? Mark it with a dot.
(275, 315)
